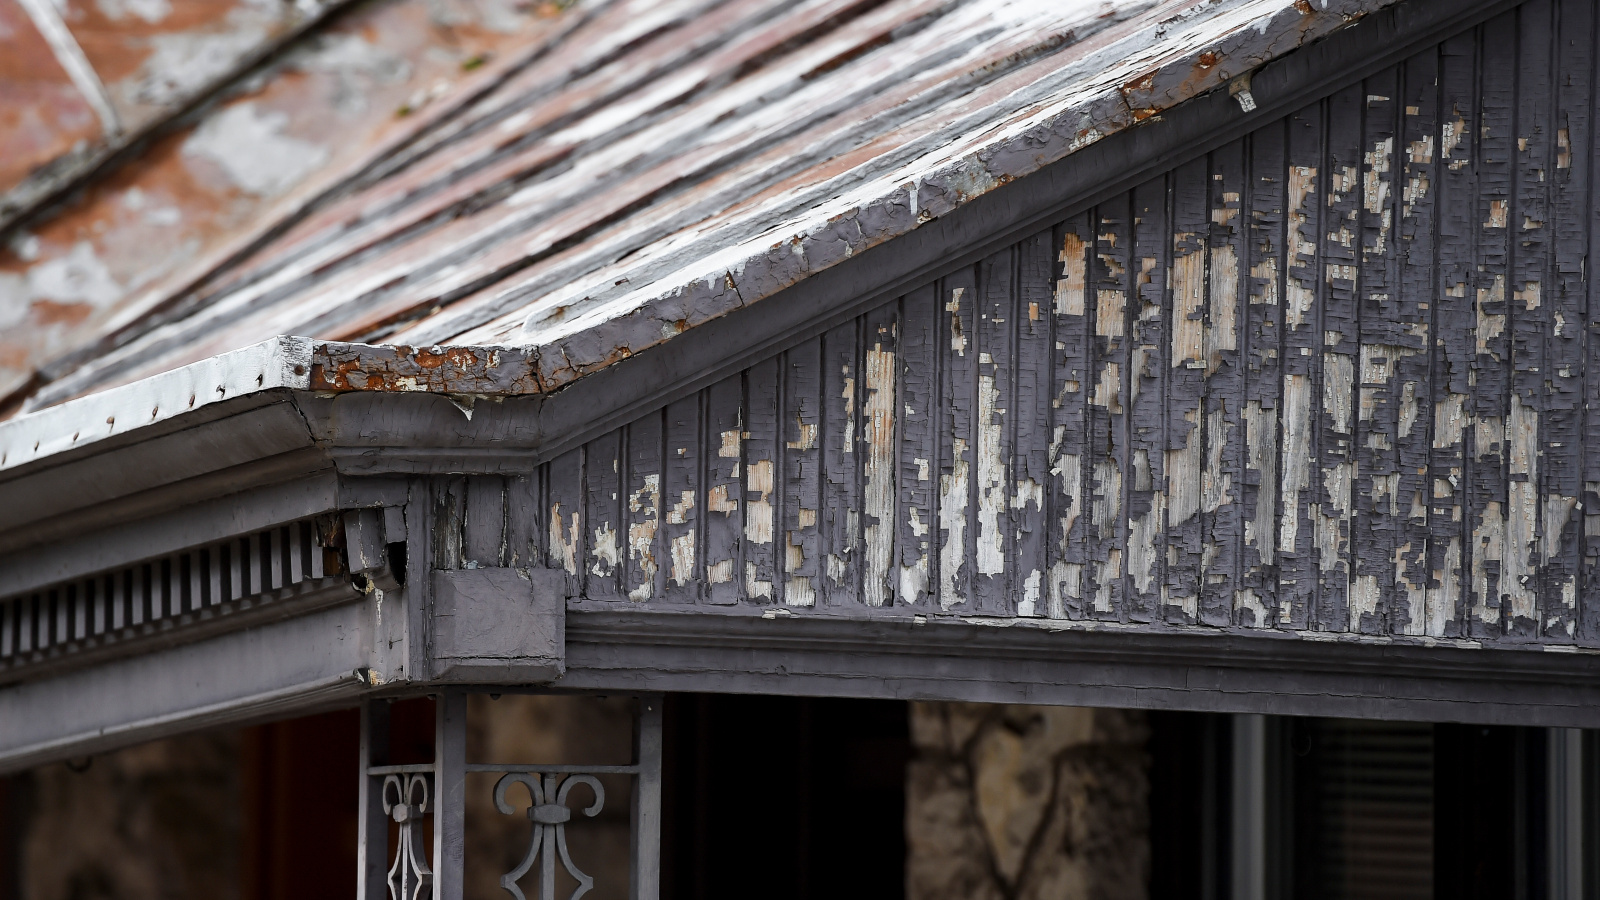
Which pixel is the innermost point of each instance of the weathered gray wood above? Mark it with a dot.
(1106, 463)
(995, 327)
(483, 525)
(498, 625)
(1030, 425)
(525, 519)
(1573, 75)
(603, 537)
(1339, 346)
(1581, 121)
(364, 540)
(169, 532)
(644, 574)
(449, 795)
(1451, 546)
(1147, 380)
(1264, 269)
(1416, 190)
(1378, 505)
(1186, 366)
(802, 550)
(1060, 663)
(1488, 492)
(448, 519)
(723, 458)
(958, 436)
(300, 663)
(841, 518)
(372, 838)
(1302, 346)
(1069, 443)
(1221, 511)
(878, 449)
(684, 502)
(1538, 600)
(565, 548)
(645, 856)
(762, 504)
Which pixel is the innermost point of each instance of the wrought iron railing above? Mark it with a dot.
(405, 795)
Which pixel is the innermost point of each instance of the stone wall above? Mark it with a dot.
(1027, 803)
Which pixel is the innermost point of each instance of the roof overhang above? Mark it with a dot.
(295, 427)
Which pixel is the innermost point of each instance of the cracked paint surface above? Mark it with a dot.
(1241, 395)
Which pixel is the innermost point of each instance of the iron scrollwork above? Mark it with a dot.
(409, 877)
(549, 814)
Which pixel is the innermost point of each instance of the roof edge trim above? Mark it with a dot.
(274, 364)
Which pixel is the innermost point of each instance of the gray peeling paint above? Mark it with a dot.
(1216, 399)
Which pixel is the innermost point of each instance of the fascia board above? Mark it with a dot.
(85, 424)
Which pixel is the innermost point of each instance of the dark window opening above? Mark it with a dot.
(786, 798)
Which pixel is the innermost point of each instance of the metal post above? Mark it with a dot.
(450, 793)
(646, 868)
(1564, 807)
(1249, 844)
(372, 841)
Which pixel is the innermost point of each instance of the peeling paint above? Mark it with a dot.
(953, 490)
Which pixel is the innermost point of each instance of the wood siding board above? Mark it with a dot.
(483, 527)
(992, 439)
(644, 556)
(841, 508)
(565, 522)
(684, 501)
(803, 554)
(603, 510)
(760, 563)
(1340, 349)
(880, 422)
(724, 511)
(958, 439)
(918, 448)
(1036, 260)
(1548, 497)
(449, 515)
(1578, 105)
(1299, 561)
(1487, 480)
(1147, 384)
(1222, 473)
(1378, 511)
(1107, 390)
(1069, 319)
(1528, 229)
(1451, 548)
(526, 531)
(1185, 401)
(1416, 189)
(1572, 64)
(1263, 270)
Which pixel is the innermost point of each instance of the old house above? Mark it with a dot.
(1183, 405)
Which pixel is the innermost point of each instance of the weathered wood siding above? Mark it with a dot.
(1330, 376)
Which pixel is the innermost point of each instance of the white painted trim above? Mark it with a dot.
(281, 362)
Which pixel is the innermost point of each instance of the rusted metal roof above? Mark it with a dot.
(658, 165)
